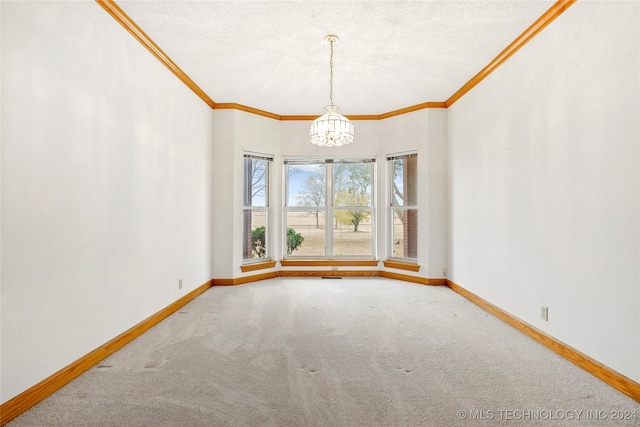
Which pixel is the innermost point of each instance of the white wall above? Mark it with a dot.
(237, 132)
(106, 186)
(544, 183)
(424, 131)
(225, 177)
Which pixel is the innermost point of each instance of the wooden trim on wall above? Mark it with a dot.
(615, 379)
(257, 266)
(233, 106)
(118, 14)
(356, 117)
(401, 265)
(413, 279)
(549, 16)
(28, 398)
(412, 109)
(223, 282)
(245, 279)
(328, 273)
(299, 118)
(375, 116)
(438, 282)
(329, 263)
(255, 278)
(312, 118)
(350, 117)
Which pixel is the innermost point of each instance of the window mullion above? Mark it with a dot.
(328, 222)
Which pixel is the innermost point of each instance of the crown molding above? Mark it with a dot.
(549, 16)
(234, 106)
(377, 116)
(123, 19)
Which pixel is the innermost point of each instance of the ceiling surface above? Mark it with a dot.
(271, 55)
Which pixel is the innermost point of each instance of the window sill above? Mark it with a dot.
(258, 266)
(329, 263)
(400, 265)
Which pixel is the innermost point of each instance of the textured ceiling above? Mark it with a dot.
(271, 55)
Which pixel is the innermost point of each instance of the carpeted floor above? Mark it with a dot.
(317, 352)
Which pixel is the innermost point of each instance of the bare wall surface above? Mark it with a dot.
(236, 133)
(106, 186)
(544, 188)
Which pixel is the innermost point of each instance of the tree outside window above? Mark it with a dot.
(329, 202)
(255, 245)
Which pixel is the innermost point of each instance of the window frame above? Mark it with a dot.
(392, 207)
(250, 208)
(330, 208)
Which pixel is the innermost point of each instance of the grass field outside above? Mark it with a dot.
(346, 242)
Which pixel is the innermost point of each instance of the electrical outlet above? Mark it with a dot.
(544, 313)
(179, 284)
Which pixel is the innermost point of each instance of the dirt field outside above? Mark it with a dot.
(346, 242)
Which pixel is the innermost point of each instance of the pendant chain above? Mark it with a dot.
(331, 70)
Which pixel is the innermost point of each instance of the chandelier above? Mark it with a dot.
(331, 129)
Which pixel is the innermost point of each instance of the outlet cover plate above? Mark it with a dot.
(544, 313)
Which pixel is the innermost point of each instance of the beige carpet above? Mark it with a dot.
(318, 352)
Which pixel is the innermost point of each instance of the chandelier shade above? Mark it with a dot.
(331, 129)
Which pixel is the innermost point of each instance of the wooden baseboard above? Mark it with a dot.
(25, 400)
(615, 379)
(245, 279)
(328, 273)
(257, 266)
(401, 265)
(413, 279)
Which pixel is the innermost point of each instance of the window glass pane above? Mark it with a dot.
(404, 183)
(255, 234)
(397, 190)
(255, 178)
(305, 233)
(306, 185)
(352, 184)
(352, 232)
(405, 233)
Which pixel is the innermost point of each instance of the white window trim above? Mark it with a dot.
(391, 208)
(329, 208)
(266, 209)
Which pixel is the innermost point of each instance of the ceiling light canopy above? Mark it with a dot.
(331, 129)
